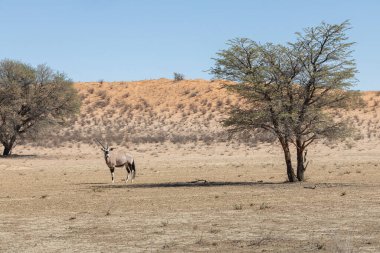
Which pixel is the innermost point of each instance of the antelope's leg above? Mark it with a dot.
(112, 174)
(128, 172)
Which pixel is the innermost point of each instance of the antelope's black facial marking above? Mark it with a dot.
(106, 152)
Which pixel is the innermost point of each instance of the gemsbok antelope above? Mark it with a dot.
(118, 159)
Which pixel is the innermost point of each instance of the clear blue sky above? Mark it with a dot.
(128, 40)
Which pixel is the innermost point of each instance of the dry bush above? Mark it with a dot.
(144, 103)
(193, 94)
(125, 95)
(102, 103)
(119, 103)
(238, 207)
(180, 106)
(124, 108)
(110, 112)
(204, 101)
(151, 138)
(102, 94)
(83, 96)
(91, 90)
(182, 139)
(264, 206)
(193, 108)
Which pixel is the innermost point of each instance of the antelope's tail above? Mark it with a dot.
(133, 169)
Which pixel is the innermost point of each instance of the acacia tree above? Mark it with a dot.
(292, 90)
(31, 100)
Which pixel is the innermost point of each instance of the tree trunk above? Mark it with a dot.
(300, 165)
(7, 151)
(288, 160)
(8, 146)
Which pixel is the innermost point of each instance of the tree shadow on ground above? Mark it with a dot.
(16, 156)
(205, 183)
(197, 183)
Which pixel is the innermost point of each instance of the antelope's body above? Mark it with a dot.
(119, 159)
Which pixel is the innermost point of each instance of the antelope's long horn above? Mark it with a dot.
(100, 143)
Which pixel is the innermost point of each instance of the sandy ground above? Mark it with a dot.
(193, 198)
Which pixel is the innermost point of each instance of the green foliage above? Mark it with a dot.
(32, 99)
(292, 90)
(178, 77)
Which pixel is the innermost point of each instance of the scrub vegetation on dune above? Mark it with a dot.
(159, 111)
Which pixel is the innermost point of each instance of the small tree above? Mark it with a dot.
(291, 90)
(32, 99)
(178, 77)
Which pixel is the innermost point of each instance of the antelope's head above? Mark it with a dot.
(106, 149)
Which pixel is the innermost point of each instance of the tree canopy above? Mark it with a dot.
(32, 99)
(292, 90)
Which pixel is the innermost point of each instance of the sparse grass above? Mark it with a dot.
(264, 206)
(164, 223)
(238, 207)
(342, 246)
(214, 231)
(201, 241)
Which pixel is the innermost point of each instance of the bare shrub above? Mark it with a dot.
(91, 90)
(264, 206)
(219, 103)
(193, 108)
(110, 112)
(102, 94)
(180, 106)
(238, 207)
(102, 103)
(204, 101)
(144, 103)
(193, 94)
